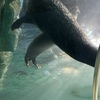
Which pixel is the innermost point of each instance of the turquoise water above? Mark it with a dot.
(60, 78)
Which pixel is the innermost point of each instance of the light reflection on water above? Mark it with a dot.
(92, 35)
(70, 71)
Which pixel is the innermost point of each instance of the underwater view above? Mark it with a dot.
(35, 64)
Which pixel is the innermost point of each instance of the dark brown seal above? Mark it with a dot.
(54, 19)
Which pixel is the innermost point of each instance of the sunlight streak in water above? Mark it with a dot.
(70, 71)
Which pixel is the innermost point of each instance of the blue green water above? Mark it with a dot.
(60, 78)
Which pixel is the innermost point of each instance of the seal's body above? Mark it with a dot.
(36, 47)
(54, 19)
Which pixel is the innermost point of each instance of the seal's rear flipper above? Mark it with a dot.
(36, 64)
(20, 21)
(96, 75)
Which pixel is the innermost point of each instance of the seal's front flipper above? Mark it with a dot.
(96, 76)
(17, 23)
(20, 21)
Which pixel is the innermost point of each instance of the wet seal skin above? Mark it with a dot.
(54, 19)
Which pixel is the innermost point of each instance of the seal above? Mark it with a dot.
(54, 19)
(73, 8)
(36, 47)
